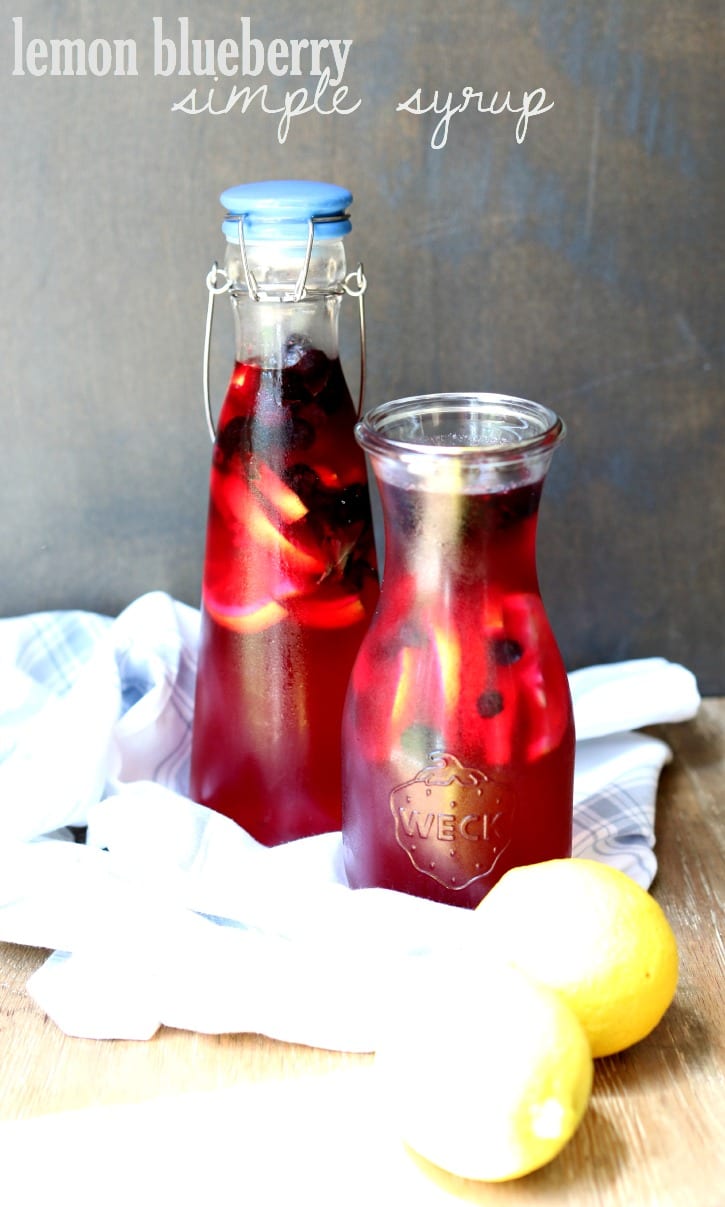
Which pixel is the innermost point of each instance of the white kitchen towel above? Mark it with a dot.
(170, 914)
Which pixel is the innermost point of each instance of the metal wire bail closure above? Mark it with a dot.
(211, 283)
(251, 281)
(355, 285)
(358, 291)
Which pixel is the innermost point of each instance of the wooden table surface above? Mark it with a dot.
(244, 1119)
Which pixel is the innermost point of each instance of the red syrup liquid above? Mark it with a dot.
(458, 733)
(288, 589)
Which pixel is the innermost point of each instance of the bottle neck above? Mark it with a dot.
(460, 478)
(458, 546)
(264, 329)
(275, 271)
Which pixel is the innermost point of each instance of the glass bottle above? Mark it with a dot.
(289, 580)
(458, 737)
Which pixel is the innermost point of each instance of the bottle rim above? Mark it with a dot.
(495, 428)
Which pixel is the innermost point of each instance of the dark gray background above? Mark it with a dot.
(582, 268)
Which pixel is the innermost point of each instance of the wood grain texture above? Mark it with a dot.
(244, 1118)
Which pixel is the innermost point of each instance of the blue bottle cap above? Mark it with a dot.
(281, 210)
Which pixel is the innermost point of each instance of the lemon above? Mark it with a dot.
(485, 1073)
(591, 933)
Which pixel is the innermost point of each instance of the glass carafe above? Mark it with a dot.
(289, 579)
(458, 738)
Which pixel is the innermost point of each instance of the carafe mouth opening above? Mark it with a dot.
(469, 428)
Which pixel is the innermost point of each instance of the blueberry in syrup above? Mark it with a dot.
(489, 704)
(517, 504)
(506, 651)
(294, 349)
(305, 368)
(349, 506)
(235, 437)
(305, 482)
